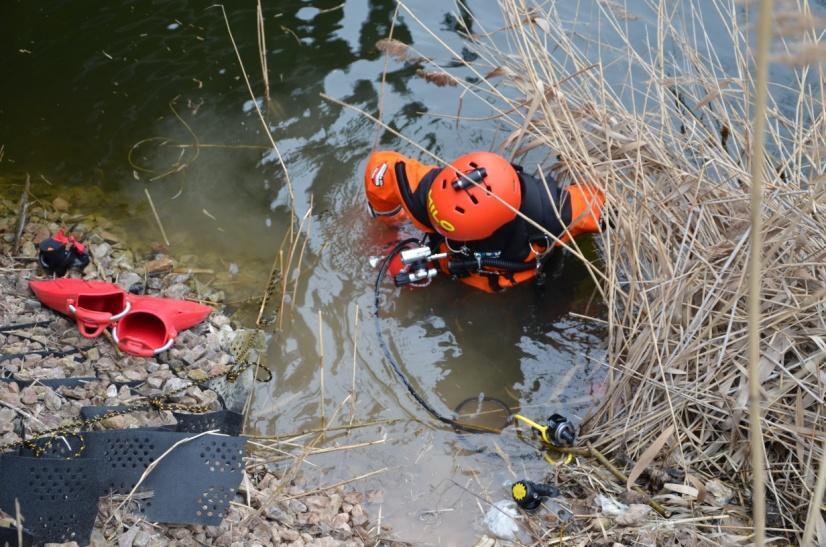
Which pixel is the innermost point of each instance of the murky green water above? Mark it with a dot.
(97, 101)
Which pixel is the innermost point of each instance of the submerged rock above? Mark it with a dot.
(60, 204)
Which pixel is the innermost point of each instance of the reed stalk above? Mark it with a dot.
(758, 480)
(262, 49)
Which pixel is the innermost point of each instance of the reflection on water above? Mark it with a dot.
(91, 83)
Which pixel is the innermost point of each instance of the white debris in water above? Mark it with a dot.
(307, 13)
(268, 222)
(722, 494)
(249, 105)
(173, 26)
(233, 268)
(609, 506)
(501, 519)
(222, 71)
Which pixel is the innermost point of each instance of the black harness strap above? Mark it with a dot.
(513, 239)
(536, 205)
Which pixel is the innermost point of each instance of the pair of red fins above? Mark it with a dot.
(141, 325)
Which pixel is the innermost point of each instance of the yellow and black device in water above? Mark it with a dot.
(528, 495)
(559, 432)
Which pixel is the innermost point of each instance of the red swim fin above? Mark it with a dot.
(153, 323)
(93, 304)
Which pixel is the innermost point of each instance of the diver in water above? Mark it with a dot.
(468, 211)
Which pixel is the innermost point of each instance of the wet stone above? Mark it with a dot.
(315, 503)
(262, 533)
(375, 496)
(335, 504)
(177, 291)
(134, 374)
(159, 266)
(274, 512)
(28, 250)
(105, 364)
(52, 401)
(7, 416)
(174, 384)
(197, 375)
(354, 498)
(340, 522)
(288, 534)
(28, 396)
(155, 382)
(101, 250)
(41, 234)
(142, 539)
(296, 506)
(358, 516)
(108, 236)
(126, 280)
(60, 204)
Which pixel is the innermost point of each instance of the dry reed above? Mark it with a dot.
(262, 49)
(157, 216)
(675, 162)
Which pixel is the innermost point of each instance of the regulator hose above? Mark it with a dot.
(385, 264)
(471, 264)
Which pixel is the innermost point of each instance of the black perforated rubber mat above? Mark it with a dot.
(58, 498)
(227, 422)
(10, 538)
(197, 483)
(193, 484)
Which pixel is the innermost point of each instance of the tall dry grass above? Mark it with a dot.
(676, 164)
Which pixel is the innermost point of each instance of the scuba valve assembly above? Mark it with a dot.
(418, 266)
(415, 263)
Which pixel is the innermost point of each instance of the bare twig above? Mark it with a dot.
(157, 217)
(22, 209)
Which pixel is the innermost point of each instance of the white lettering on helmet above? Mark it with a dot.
(378, 174)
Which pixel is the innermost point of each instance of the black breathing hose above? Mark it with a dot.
(471, 264)
(385, 264)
